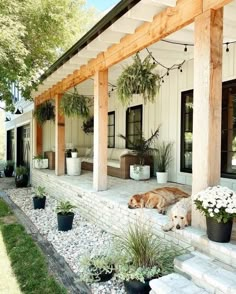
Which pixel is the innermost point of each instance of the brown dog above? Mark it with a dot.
(159, 198)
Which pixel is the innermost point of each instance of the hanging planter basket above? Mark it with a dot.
(88, 125)
(44, 112)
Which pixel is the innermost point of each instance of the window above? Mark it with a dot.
(111, 129)
(228, 130)
(186, 130)
(134, 122)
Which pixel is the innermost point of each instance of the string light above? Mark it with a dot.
(185, 48)
(227, 47)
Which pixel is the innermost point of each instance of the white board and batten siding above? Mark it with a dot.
(165, 111)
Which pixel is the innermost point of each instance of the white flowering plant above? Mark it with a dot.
(217, 202)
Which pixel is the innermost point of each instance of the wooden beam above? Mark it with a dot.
(38, 137)
(207, 103)
(100, 130)
(163, 24)
(214, 4)
(59, 138)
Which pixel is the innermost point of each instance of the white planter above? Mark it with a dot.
(140, 172)
(40, 163)
(74, 154)
(162, 178)
(73, 166)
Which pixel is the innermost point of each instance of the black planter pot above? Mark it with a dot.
(21, 181)
(39, 203)
(137, 287)
(8, 171)
(218, 232)
(65, 221)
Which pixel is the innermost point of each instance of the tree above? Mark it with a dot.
(33, 34)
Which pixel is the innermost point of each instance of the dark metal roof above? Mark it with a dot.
(120, 9)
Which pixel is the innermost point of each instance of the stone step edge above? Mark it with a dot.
(174, 283)
(206, 272)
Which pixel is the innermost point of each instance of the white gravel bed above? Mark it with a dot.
(84, 238)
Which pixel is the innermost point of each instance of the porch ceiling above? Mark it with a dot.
(142, 12)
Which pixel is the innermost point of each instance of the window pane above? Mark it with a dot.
(133, 124)
(111, 130)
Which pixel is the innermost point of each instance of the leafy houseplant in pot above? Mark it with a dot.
(9, 168)
(98, 268)
(218, 204)
(74, 153)
(40, 162)
(143, 256)
(39, 197)
(44, 112)
(142, 149)
(21, 177)
(163, 160)
(138, 78)
(65, 215)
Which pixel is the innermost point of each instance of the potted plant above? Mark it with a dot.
(39, 197)
(21, 177)
(218, 204)
(44, 112)
(88, 125)
(75, 104)
(163, 160)
(142, 149)
(65, 215)
(97, 268)
(138, 78)
(143, 257)
(9, 168)
(40, 162)
(74, 153)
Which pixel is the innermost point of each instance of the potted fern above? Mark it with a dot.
(143, 149)
(44, 112)
(163, 160)
(138, 78)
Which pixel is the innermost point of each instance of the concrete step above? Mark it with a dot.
(207, 272)
(174, 284)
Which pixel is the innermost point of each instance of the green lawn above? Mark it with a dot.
(27, 260)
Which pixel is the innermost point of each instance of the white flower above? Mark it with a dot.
(211, 214)
(216, 210)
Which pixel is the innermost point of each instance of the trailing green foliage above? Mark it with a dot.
(75, 104)
(65, 207)
(28, 263)
(141, 146)
(163, 156)
(4, 209)
(88, 125)
(138, 78)
(44, 112)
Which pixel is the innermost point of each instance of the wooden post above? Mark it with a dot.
(38, 138)
(207, 104)
(59, 138)
(100, 130)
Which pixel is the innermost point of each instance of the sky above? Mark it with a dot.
(102, 4)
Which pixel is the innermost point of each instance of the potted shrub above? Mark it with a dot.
(9, 168)
(44, 112)
(143, 256)
(75, 104)
(138, 78)
(21, 177)
(39, 197)
(40, 162)
(98, 268)
(65, 215)
(218, 204)
(142, 149)
(163, 160)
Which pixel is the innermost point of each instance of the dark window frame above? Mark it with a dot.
(127, 122)
(114, 128)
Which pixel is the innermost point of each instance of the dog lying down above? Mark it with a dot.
(180, 215)
(159, 198)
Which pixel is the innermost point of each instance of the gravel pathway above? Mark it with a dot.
(85, 238)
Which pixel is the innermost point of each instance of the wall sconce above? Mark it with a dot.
(7, 118)
(19, 110)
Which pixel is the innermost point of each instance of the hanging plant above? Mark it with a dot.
(138, 78)
(44, 112)
(88, 124)
(75, 104)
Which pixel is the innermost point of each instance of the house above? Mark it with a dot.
(198, 35)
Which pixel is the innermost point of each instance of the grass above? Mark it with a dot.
(27, 260)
